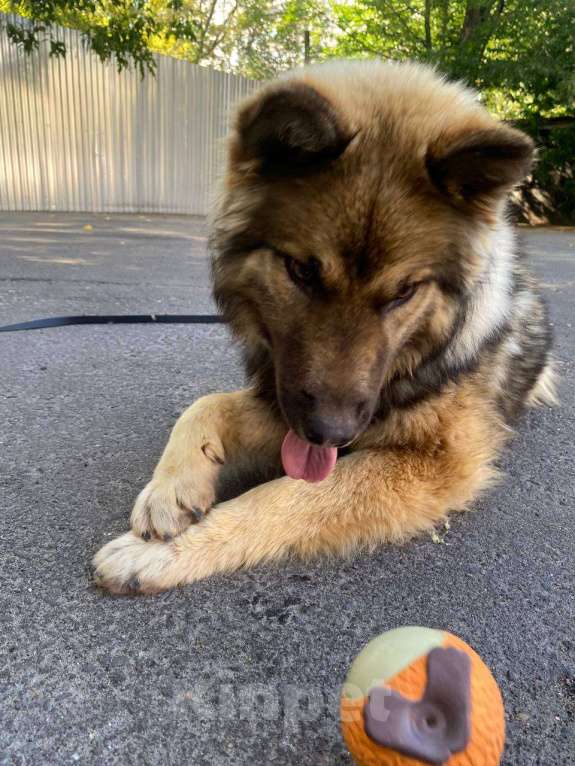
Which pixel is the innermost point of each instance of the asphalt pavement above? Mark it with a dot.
(242, 669)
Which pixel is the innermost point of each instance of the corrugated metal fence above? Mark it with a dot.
(77, 136)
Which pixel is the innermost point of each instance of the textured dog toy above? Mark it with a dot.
(417, 696)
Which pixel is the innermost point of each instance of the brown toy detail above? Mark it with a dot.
(434, 727)
(486, 730)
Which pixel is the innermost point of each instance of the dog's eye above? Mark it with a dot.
(405, 293)
(302, 273)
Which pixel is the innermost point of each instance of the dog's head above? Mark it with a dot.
(358, 209)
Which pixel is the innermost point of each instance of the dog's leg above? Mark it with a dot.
(213, 431)
(372, 496)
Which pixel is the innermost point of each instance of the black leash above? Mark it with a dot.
(41, 324)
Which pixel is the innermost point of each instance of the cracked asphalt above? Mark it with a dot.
(243, 669)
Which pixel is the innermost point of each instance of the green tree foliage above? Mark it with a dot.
(258, 38)
(519, 53)
(216, 30)
(270, 34)
(114, 29)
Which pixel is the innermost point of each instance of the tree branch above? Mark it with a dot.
(220, 36)
(428, 41)
(204, 31)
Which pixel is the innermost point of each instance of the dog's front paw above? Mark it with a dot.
(130, 565)
(167, 506)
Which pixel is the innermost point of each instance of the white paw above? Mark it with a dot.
(167, 506)
(130, 565)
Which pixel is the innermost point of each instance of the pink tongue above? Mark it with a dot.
(302, 460)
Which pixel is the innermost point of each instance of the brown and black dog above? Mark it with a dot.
(391, 332)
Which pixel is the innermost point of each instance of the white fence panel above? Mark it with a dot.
(76, 135)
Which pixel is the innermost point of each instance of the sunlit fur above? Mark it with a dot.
(410, 190)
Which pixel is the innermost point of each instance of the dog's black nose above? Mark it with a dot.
(334, 432)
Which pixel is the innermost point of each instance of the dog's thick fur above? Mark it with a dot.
(363, 258)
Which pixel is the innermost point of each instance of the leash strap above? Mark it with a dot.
(41, 324)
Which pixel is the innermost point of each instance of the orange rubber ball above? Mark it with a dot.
(419, 697)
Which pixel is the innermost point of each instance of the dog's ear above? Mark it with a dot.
(291, 130)
(481, 166)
